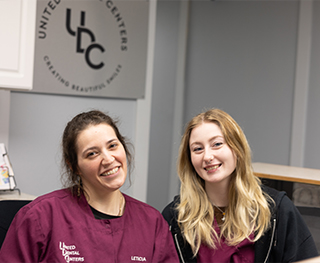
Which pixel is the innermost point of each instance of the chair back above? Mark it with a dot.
(8, 209)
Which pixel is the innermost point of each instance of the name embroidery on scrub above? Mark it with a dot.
(70, 253)
(136, 258)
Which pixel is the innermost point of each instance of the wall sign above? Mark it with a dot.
(91, 47)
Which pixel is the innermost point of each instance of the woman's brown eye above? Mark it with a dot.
(90, 154)
(114, 145)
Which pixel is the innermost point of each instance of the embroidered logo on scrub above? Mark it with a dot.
(70, 253)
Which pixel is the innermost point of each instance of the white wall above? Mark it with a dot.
(163, 100)
(312, 146)
(259, 61)
(242, 59)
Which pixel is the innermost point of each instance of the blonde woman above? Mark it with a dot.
(223, 213)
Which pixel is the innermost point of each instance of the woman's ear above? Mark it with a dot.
(69, 165)
(72, 170)
(77, 172)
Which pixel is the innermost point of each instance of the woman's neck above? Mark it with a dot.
(110, 203)
(218, 194)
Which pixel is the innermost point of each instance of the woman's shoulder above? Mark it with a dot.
(170, 212)
(42, 207)
(49, 199)
(139, 206)
(56, 194)
(282, 203)
(276, 195)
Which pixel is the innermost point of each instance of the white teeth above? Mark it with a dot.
(112, 171)
(212, 167)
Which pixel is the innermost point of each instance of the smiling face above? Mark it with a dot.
(211, 157)
(102, 163)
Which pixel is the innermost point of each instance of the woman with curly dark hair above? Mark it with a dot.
(90, 220)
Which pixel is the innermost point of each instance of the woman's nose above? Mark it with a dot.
(107, 158)
(208, 156)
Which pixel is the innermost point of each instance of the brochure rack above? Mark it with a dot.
(7, 179)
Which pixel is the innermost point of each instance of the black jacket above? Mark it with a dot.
(287, 240)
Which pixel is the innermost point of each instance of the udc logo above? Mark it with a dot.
(91, 48)
(78, 35)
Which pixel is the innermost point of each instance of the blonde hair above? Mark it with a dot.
(248, 208)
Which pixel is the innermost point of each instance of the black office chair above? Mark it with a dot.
(8, 209)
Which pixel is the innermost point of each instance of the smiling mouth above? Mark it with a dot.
(113, 171)
(213, 167)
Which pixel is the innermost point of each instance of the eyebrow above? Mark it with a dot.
(211, 139)
(95, 147)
